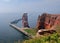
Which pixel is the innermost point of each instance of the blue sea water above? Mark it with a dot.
(8, 33)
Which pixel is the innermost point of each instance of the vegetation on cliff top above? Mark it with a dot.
(31, 31)
(52, 38)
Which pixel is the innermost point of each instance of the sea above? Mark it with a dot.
(9, 34)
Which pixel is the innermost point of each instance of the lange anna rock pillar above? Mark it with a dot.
(25, 20)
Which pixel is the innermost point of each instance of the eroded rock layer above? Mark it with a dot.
(46, 21)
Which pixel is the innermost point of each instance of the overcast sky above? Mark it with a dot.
(39, 6)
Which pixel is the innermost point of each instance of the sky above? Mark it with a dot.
(30, 6)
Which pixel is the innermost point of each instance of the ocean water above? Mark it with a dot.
(8, 33)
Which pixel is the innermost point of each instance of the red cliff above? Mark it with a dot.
(46, 21)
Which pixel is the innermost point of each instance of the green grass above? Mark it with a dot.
(31, 31)
(53, 38)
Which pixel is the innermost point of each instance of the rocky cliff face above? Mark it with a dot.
(46, 21)
(25, 20)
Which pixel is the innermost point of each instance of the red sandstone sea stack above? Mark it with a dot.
(25, 20)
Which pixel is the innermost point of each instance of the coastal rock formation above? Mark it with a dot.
(25, 20)
(46, 21)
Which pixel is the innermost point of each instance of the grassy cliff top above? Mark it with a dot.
(31, 31)
(52, 38)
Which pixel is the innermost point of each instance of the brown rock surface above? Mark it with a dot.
(25, 20)
(46, 21)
